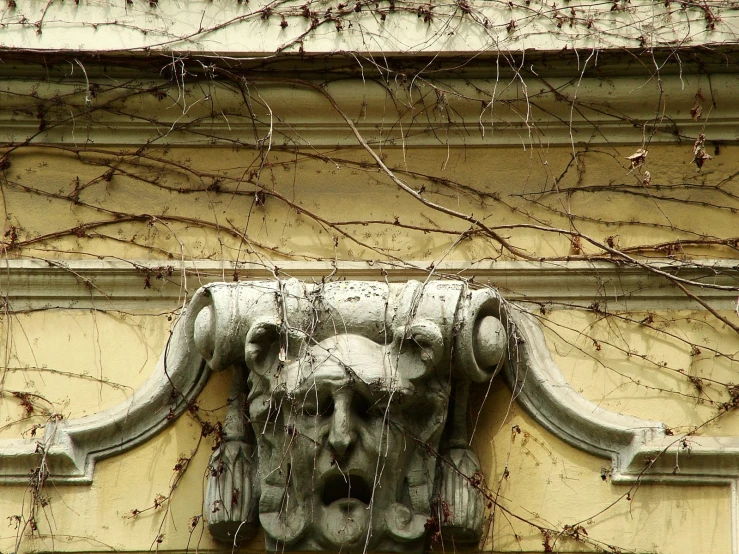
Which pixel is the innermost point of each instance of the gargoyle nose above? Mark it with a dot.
(342, 434)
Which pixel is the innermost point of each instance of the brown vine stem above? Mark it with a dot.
(619, 255)
(706, 306)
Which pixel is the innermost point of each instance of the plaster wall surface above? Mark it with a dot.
(167, 207)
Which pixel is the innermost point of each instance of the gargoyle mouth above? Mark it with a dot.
(346, 487)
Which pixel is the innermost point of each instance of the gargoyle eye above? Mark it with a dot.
(368, 408)
(262, 340)
(322, 408)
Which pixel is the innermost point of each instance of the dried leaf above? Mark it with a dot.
(699, 144)
(637, 158)
(700, 156)
(696, 111)
(576, 243)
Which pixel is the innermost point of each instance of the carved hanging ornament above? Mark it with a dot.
(347, 426)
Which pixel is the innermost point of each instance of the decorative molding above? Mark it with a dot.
(597, 131)
(637, 448)
(224, 320)
(611, 110)
(68, 450)
(165, 285)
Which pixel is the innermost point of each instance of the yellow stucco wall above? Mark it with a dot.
(194, 203)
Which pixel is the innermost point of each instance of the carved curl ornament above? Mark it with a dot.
(347, 427)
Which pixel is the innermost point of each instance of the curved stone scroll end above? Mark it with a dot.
(541, 389)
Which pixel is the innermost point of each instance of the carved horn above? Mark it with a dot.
(481, 339)
(223, 314)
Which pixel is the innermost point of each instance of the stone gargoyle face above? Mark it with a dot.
(343, 438)
(351, 429)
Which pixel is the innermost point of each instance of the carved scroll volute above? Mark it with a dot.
(481, 339)
(480, 349)
(221, 317)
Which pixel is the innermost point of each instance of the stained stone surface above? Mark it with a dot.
(347, 422)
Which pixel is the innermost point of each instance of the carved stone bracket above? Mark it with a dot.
(352, 429)
(347, 426)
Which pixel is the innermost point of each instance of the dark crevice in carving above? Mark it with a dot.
(342, 487)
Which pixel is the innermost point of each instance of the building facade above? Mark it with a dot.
(534, 202)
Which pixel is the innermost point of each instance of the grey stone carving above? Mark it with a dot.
(286, 342)
(347, 427)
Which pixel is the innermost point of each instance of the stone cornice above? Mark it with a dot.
(588, 111)
(160, 285)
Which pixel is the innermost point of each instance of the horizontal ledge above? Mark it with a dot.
(119, 284)
(330, 135)
(551, 111)
(683, 457)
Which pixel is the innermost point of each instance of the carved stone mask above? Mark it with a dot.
(356, 432)
(340, 433)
